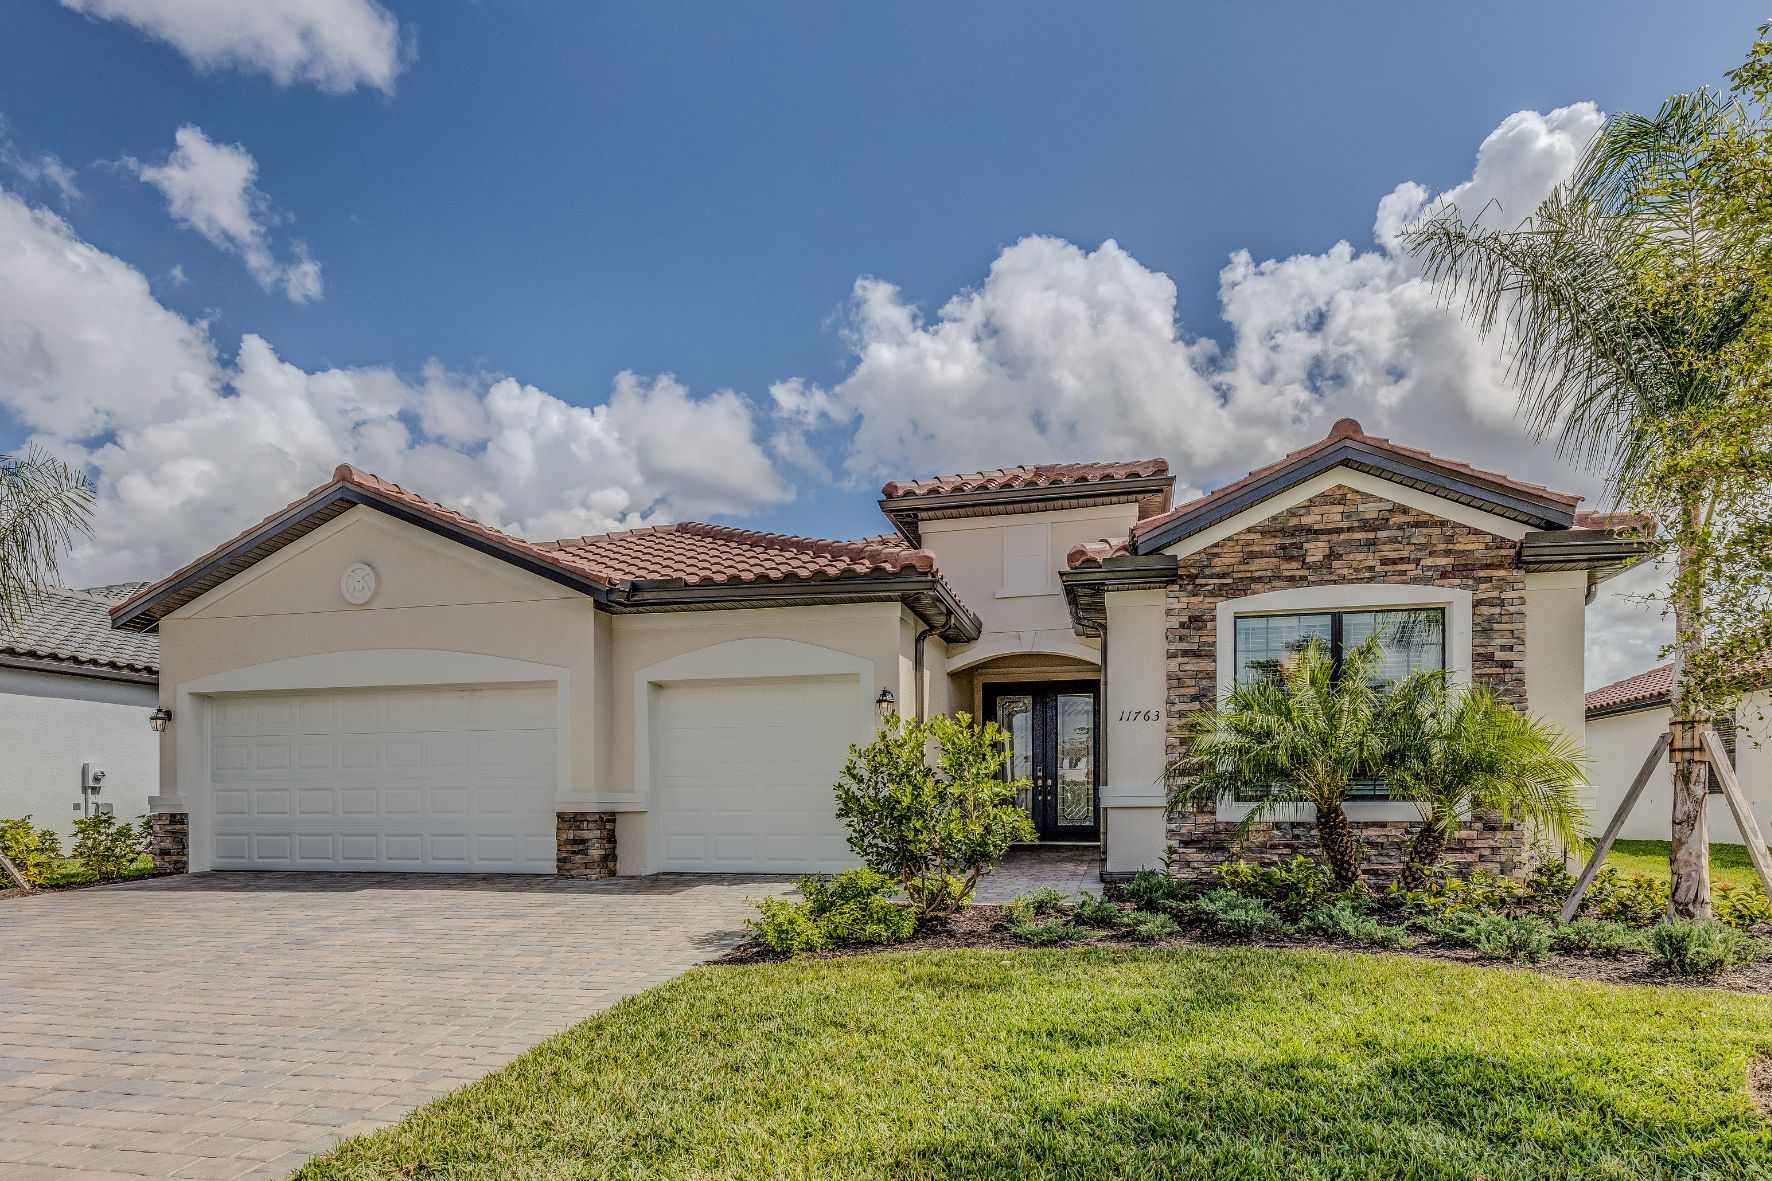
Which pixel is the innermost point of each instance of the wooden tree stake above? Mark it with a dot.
(1612, 828)
(1745, 820)
(12, 872)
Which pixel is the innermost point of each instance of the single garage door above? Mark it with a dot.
(743, 772)
(431, 780)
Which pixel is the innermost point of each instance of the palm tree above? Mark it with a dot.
(1456, 753)
(44, 505)
(1632, 313)
(1305, 736)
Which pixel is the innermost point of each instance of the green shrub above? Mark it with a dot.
(1346, 919)
(1636, 898)
(1292, 888)
(1035, 904)
(926, 804)
(107, 848)
(1739, 908)
(1099, 912)
(34, 851)
(1148, 927)
(1701, 949)
(1548, 883)
(1149, 889)
(1481, 893)
(1054, 930)
(1492, 936)
(1599, 937)
(1235, 914)
(850, 907)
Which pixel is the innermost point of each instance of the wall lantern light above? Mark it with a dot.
(160, 719)
(885, 702)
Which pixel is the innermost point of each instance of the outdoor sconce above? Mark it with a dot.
(160, 719)
(885, 702)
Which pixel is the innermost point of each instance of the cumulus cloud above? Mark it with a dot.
(209, 187)
(42, 169)
(337, 45)
(103, 374)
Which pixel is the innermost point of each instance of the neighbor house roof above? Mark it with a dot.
(667, 567)
(69, 631)
(1030, 486)
(1653, 689)
(1348, 444)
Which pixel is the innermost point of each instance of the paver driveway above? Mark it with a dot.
(232, 1025)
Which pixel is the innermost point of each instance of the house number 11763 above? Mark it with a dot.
(1140, 715)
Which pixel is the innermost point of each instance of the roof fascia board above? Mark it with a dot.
(905, 510)
(66, 668)
(1619, 709)
(1401, 470)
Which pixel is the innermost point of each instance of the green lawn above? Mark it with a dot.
(1728, 863)
(1107, 1062)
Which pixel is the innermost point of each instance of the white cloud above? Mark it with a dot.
(209, 187)
(44, 169)
(1626, 627)
(190, 446)
(338, 45)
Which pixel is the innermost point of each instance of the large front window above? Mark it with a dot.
(1410, 639)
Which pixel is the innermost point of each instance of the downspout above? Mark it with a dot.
(917, 659)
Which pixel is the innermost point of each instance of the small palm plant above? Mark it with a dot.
(1306, 736)
(1457, 752)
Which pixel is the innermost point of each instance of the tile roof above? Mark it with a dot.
(701, 554)
(72, 628)
(1027, 475)
(1350, 429)
(1094, 553)
(1588, 519)
(1655, 687)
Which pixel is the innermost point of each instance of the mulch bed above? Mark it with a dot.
(981, 926)
(15, 892)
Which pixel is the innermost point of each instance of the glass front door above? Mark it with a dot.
(1052, 743)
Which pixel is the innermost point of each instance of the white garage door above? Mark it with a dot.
(434, 780)
(743, 771)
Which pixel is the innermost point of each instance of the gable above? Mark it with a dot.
(1374, 488)
(413, 568)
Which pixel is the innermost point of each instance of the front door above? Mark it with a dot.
(1052, 744)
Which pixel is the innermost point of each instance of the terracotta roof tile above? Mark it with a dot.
(699, 553)
(1094, 553)
(73, 628)
(1349, 428)
(1027, 475)
(1657, 682)
(1589, 519)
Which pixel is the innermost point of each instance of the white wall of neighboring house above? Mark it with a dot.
(51, 723)
(1618, 745)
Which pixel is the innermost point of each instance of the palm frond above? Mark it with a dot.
(44, 506)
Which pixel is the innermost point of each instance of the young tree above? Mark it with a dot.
(44, 505)
(1453, 753)
(927, 805)
(1303, 737)
(1634, 308)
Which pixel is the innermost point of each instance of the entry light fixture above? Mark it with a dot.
(885, 702)
(160, 719)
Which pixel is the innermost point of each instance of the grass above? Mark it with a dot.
(72, 872)
(1728, 863)
(1233, 1063)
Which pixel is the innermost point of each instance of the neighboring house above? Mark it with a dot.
(1623, 721)
(368, 680)
(76, 697)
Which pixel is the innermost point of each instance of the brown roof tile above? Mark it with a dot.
(1644, 687)
(699, 553)
(73, 628)
(1027, 475)
(1349, 428)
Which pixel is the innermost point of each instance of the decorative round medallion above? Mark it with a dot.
(358, 583)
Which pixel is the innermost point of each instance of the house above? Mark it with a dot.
(369, 680)
(1623, 721)
(75, 697)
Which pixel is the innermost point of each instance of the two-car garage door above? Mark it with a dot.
(436, 780)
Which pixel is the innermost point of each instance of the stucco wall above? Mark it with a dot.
(1133, 794)
(50, 724)
(1619, 744)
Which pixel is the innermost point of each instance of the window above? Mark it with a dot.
(1724, 725)
(1412, 639)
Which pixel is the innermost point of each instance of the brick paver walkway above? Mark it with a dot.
(1075, 869)
(231, 1025)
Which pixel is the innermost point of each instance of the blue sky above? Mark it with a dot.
(566, 193)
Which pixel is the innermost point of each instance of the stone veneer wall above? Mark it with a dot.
(584, 844)
(1337, 537)
(170, 841)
